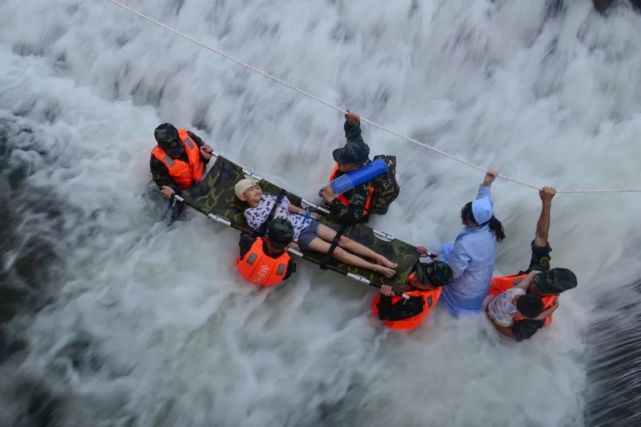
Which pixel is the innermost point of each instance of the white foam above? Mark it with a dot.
(185, 342)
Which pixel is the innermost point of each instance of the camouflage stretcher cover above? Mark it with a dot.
(215, 195)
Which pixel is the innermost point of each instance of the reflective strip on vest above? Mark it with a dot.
(184, 174)
(168, 161)
(261, 269)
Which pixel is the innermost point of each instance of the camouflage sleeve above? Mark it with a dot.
(525, 329)
(245, 243)
(353, 132)
(350, 214)
(540, 259)
(160, 175)
(401, 310)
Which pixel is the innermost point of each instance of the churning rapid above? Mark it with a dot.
(112, 318)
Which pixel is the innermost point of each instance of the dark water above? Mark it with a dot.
(614, 367)
(36, 244)
(30, 265)
(33, 268)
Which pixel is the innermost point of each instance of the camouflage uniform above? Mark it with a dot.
(247, 240)
(215, 195)
(540, 260)
(438, 272)
(353, 212)
(159, 171)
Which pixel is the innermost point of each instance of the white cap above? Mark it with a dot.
(482, 210)
(243, 185)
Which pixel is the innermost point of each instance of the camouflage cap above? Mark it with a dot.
(436, 273)
(352, 152)
(280, 231)
(555, 281)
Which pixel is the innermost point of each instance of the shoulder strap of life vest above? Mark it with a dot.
(163, 157)
(345, 201)
(548, 301)
(501, 284)
(368, 202)
(333, 173)
(177, 169)
(193, 154)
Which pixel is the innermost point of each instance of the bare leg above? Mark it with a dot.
(320, 245)
(327, 234)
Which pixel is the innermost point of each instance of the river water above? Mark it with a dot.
(112, 318)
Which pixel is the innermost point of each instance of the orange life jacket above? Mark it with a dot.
(261, 269)
(499, 285)
(345, 201)
(183, 174)
(430, 298)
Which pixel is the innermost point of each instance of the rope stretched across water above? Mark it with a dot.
(339, 109)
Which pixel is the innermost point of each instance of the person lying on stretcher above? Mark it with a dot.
(309, 233)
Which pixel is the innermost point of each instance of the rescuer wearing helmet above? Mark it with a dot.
(264, 261)
(178, 160)
(542, 281)
(424, 286)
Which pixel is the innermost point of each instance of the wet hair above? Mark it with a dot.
(495, 224)
(529, 305)
(497, 228)
(466, 213)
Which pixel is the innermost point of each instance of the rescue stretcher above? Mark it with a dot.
(214, 197)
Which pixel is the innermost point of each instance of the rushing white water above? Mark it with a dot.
(150, 326)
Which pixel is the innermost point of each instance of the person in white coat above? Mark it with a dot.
(471, 257)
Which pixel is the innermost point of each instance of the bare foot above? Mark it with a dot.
(387, 272)
(381, 260)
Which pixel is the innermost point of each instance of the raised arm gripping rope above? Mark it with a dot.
(342, 110)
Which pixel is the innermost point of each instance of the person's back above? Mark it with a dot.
(264, 261)
(423, 289)
(472, 254)
(476, 247)
(503, 309)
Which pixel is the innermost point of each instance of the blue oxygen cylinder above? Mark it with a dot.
(350, 180)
